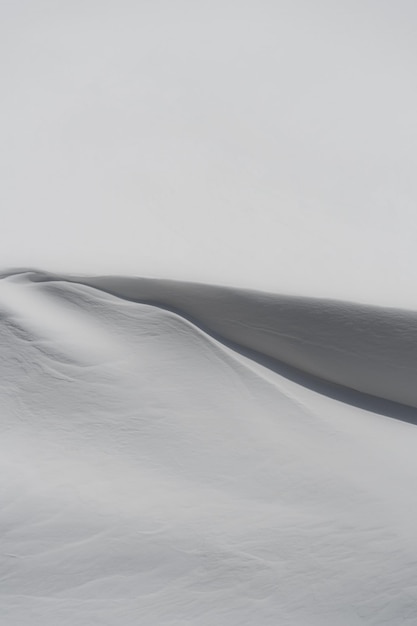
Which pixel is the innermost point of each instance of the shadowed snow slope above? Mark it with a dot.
(369, 349)
(150, 474)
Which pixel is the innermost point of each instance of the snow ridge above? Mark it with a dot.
(359, 348)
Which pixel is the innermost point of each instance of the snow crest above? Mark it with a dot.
(151, 473)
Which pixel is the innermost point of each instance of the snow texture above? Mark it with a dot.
(178, 454)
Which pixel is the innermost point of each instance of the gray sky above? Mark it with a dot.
(266, 144)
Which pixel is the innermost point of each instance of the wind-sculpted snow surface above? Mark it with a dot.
(369, 349)
(150, 473)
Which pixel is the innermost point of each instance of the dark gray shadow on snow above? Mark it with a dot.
(372, 347)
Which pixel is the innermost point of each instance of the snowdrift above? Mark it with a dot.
(366, 349)
(150, 474)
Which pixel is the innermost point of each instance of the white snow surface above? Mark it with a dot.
(151, 473)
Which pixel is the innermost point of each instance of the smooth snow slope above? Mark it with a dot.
(372, 350)
(152, 475)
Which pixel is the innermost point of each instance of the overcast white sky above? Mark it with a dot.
(268, 144)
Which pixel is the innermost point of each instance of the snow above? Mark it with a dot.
(208, 349)
(151, 474)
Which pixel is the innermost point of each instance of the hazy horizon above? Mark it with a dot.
(268, 145)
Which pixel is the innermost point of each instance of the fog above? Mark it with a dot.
(260, 144)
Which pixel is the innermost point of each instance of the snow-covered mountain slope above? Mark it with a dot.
(151, 474)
